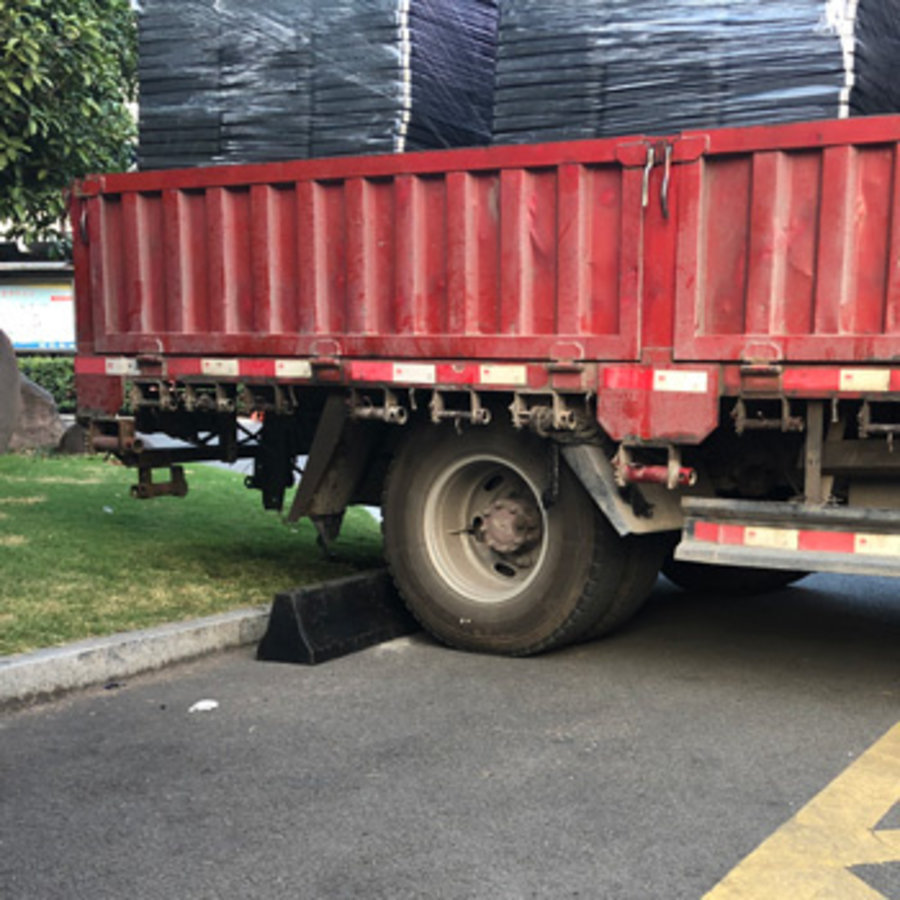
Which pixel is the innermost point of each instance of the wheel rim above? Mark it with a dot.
(485, 529)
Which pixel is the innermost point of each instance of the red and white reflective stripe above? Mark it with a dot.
(224, 368)
(105, 365)
(863, 543)
(493, 374)
(213, 367)
(425, 373)
(841, 380)
(643, 378)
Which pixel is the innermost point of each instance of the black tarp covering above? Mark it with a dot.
(570, 69)
(395, 75)
(876, 63)
(180, 112)
(230, 81)
(265, 66)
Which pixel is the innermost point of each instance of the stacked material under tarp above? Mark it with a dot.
(226, 81)
(453, 56)
(875, 59)
(588, 68)
(395, 75)
(265, 79)
(361, 84)
(180, 116)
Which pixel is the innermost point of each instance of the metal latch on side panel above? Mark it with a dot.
(761, 378)
(647, 155)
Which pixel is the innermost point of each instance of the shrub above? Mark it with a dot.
(55, 374)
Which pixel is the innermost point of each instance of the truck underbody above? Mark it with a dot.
(780, 486)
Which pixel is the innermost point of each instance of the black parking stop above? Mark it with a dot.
(313, 624)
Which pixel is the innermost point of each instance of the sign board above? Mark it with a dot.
(38, 315)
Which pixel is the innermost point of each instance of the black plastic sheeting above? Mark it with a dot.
(265, 67)
(876, 66)
(229, 81)
(180, 111)
(391, 76)
(573, 69)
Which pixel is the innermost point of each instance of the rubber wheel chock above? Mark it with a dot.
(310, 625)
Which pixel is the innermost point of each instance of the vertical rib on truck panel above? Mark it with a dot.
(789, 244)
(529, 253)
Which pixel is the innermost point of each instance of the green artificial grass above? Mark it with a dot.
(79, 557)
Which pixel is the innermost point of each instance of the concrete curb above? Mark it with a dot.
(30, 676)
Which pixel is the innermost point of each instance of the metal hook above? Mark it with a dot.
(664, 188)
(645, 191)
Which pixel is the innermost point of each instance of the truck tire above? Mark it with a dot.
(644, 555)
(738, 580)
(476, 556)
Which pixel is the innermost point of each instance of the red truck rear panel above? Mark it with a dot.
(789, 244)
(773, 243)
(516, 253)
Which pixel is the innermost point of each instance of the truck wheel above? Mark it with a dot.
(739, 580)
(644, 555)
(479, 560)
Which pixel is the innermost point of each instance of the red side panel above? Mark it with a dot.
(789, 244)
(511, 253)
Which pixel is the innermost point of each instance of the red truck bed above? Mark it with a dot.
(725, 304)
(780, 243)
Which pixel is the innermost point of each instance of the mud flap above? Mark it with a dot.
(662, 510)
(313, 624)
(338, 457)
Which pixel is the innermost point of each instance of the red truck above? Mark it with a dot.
(557, 368)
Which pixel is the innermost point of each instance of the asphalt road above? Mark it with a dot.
(647, 765)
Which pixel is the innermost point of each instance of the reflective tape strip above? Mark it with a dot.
(371, 371)
(121, 366)
(847, 542)
(643, 378)
(635, 377)
(811, 380)
(439, 373)
(414, 373)
(877, 544)
(834, 380)
(865, 380)
(503, 374)
(684, 381)
(293, 368)
(457, 373)
(627, 378)
(772, 538)
(256, 368)
(224, 367)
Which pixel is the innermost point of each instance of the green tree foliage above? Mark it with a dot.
(67, 73)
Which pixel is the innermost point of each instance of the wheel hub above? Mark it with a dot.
(509, 525)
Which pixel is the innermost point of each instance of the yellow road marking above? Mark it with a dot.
(810, 855)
